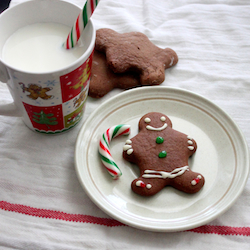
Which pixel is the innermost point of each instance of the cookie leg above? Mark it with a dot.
(190, 182)
(147, 187)
(152, 76)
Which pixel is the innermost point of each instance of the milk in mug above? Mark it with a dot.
(39, 48)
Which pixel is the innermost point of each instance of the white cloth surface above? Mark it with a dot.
(39, 189)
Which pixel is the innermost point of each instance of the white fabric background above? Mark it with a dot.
(212, 40)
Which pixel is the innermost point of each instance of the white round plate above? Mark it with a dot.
(222, 158)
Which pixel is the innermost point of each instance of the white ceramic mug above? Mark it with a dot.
(49, 102)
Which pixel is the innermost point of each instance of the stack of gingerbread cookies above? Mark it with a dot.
(127, 60)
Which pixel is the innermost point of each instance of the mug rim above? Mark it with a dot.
(83, 57)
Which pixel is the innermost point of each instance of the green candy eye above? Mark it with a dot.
(159, 140)
(162, 154)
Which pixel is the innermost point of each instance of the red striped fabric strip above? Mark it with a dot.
(222, 230)
(58, 215)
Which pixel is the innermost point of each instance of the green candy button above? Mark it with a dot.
(159, 140)
(162, 154)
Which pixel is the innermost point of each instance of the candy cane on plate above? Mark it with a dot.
(104, 148)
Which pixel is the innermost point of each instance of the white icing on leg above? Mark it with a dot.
(196, 180)
(140, 183)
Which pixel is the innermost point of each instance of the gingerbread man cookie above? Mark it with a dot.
(135, 52)
(103, 79)
(36, 91)
(162, 155)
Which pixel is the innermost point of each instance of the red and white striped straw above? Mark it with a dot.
(80, 23)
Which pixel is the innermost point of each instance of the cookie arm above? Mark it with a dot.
(128, 150)
(191, 145)
(102, 38)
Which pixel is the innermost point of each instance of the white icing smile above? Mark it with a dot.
(148, 120)
(157, 129)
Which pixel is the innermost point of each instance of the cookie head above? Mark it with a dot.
(154, 121)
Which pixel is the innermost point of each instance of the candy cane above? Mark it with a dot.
(80, 23)
(104, 148)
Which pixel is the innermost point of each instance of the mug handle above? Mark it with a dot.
(8, 109)
(4, 77)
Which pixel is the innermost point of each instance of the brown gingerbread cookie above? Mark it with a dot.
(133, 51)
(162, 155)
(104, 79)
